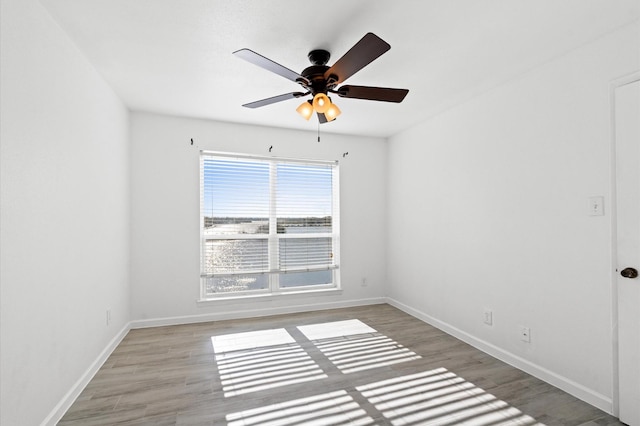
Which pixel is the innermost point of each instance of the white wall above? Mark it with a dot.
(64, 214)
(485, 206)
(165, 214)
(488, 209)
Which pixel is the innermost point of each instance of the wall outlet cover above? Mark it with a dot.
(488, 317)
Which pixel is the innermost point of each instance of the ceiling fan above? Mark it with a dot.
(319, 80)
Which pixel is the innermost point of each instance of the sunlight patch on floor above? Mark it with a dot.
(334, 408)
(328, 330)
(439, 397)
(250, 340)
(260, 360)
(353, 346)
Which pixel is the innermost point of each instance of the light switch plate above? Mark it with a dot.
(596, 206)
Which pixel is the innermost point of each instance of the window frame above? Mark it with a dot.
(273, 238)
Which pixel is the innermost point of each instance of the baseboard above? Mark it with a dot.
(576, 389)
(252, 313)
(579, 391)
(56, 414)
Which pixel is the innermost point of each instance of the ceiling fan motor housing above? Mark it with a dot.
(315, 73)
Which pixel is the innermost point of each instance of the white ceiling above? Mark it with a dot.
(175, 57)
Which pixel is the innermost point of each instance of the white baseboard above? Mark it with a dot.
(596, 399)
(56, 414)
(579, 391)
(252, 313)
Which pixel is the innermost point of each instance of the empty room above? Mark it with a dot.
(236, 212)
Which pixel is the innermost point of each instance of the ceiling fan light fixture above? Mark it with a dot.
(332, 112)
(305, 110)
(320, 79)
(321, 103)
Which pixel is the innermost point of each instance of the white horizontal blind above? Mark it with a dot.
(234, 205)
(306, 254)
(304, 209)
(265, 216)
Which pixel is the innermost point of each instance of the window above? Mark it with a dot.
(267, 225)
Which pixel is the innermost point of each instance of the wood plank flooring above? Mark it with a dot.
(372, 365)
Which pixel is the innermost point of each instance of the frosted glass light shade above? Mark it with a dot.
(321, 103)
(332, 112)
(305, 110)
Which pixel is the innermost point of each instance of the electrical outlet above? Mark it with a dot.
(364, 282)
(488, 316)
(108, 316)
(525, 334)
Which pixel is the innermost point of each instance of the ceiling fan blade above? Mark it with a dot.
(369, 48)
(385, 94)
(273, 100)
(266, 63)
(322, 118)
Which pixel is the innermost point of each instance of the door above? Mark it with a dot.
(627, 147)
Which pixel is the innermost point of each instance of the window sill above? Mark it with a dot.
(269, 296)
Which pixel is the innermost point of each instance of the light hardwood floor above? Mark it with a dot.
(372, 365)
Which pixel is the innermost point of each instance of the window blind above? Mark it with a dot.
(267, 216)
